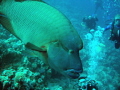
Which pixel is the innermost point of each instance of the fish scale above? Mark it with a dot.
(54, 21)
(46, 31)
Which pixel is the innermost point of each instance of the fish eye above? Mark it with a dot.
(71, 51)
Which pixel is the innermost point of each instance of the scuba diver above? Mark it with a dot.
(88, 84)
(98, 4)
(92, 85)
(85, 83)
(115, 31)
(90, 22)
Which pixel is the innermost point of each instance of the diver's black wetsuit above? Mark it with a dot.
(115, 34)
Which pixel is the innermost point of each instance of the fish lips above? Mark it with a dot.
(74, 74)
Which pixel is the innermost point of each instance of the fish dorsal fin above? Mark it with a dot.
(6, 23)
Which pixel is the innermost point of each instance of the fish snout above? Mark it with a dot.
(72, 73)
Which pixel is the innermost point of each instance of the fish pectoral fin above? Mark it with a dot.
(33, 47)
(42, 55)
(38, 52)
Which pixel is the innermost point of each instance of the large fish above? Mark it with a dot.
(46, 31)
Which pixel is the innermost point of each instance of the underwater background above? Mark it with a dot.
(101, 61)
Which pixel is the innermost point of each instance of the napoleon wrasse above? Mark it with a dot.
(46, 31)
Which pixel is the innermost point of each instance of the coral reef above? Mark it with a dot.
(20, 71)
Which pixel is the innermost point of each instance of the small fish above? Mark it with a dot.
(46, 31)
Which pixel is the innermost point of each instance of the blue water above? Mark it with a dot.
(101, 65)
(101, 61)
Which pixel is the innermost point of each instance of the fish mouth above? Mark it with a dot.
(74, 74)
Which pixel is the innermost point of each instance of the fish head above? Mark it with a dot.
(64, 60)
